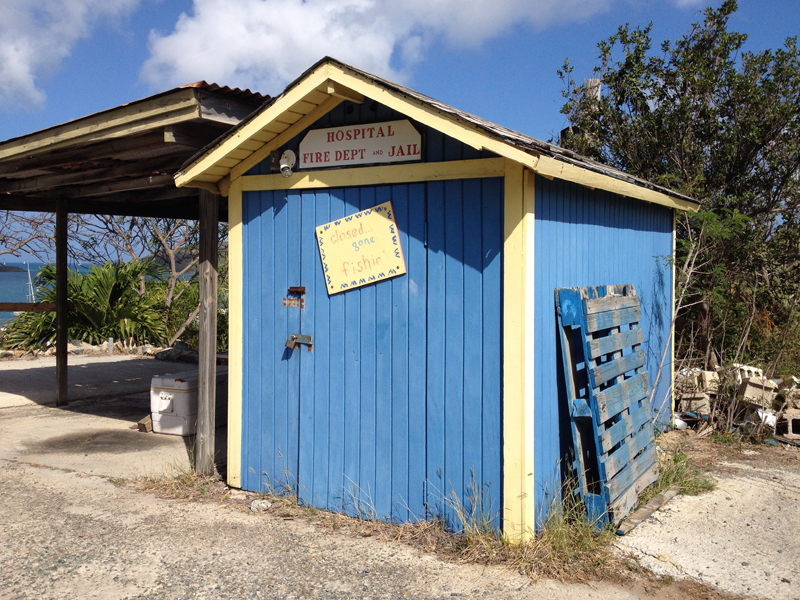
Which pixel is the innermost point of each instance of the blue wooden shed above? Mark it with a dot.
(441, 382)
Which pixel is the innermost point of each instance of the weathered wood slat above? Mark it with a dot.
(27, 306)
(648, 509)
(625, 453)
(607, 371)
(618, 397)
(630, 497)
(610, 303)
(614, 342)
(623, 428)
(615, 318)
(635, 469)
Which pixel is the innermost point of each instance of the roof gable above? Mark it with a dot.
(329, 82)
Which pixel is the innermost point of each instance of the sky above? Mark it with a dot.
(64, 59)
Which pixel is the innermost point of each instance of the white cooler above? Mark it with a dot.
(173, 402)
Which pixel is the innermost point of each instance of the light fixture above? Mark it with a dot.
(288, 160)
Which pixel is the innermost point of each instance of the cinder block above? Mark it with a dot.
(792, 424)
(746, 371)
(758, 390)
(792, 398)
(708, 381)
(696, 403)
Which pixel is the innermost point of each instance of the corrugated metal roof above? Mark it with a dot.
(509, 136)
(245, 94)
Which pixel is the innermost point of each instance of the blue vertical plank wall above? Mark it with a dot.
(398, 406)
(582, 238)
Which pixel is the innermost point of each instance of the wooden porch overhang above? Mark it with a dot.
(122, 161)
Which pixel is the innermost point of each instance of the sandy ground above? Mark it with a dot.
(743, 537)
(32, 382)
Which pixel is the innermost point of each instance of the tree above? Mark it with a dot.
(171, 243)
(721, 125)
(26, 232)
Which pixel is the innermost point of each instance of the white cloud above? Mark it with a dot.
(37, 35)
(688, 3)
(264, 44)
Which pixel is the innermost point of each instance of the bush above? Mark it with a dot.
(105, 302)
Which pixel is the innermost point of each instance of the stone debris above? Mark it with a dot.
(260, 505)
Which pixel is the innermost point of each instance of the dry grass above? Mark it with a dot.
(568, 548)
(676, 469)
(181, 483)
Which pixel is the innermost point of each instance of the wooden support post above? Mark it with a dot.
(207, 384)
(61, 303)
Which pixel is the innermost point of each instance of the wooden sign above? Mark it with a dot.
(388, 142)
(360, 249)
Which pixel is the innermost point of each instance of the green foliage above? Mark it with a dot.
(706, 119)
(106, 302)
(675, 469)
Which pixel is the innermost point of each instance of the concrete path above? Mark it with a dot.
(27, 382)
(96, 432)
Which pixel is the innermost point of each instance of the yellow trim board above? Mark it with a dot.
(552, 168)
(385, 174)
(235, 335)
(672, 323)
(253, 127)
(529, 221)
(518, 509)
(312, 117)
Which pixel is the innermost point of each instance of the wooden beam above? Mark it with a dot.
(38, 307)
(343, 92)
(84, 177)
(191, 136)
(207, 382)
(143, 196)
(61, 303)
(178, 142)
(178, 204)
(123, 185)
(20, 202)
(179, 105)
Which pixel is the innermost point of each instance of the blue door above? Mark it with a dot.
(397, 404)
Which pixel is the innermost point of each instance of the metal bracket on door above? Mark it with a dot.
(297, 339)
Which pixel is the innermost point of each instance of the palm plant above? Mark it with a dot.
(107, 301)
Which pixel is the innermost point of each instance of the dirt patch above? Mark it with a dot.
(113, 441)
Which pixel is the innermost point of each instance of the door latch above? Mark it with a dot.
(297, 339)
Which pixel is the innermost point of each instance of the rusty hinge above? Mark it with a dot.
(297, 290)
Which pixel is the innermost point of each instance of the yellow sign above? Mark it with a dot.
(360, 249)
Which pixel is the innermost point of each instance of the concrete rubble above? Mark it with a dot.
(757, 402)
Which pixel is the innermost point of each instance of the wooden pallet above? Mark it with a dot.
(608, 395)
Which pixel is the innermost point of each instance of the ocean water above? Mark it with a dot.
(14, 286)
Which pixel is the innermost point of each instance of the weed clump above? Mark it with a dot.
(675, 470)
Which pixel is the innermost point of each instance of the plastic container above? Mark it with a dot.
(173, 402)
